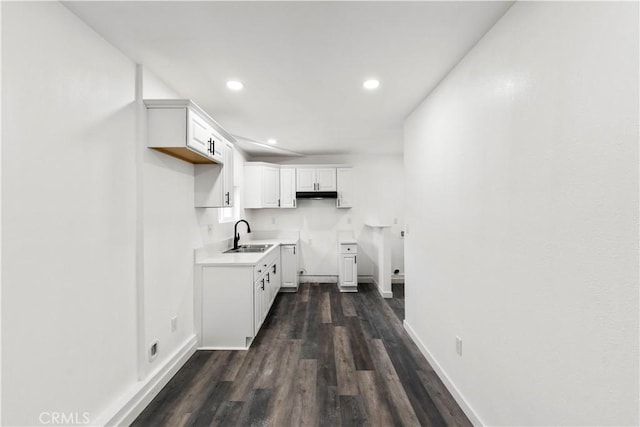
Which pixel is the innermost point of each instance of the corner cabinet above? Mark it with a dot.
(179, 128)
(214, 182)
(235, 301)
(345, 187)
(261, 185)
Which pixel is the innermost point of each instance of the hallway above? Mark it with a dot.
(323, 358)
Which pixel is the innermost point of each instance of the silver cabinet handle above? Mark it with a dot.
(294, 203)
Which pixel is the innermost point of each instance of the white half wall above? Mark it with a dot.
(68, 213)
(522, 218)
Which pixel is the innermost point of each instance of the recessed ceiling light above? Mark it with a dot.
(234, 85)
(371, 84)
(272, 141)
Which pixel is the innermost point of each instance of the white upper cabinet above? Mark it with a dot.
(214, 182)
(181, 129)
(287, 187)
(305, 179)
(345, 187)
(227, 191)
(326, 179)
(315, 179)
(261, 185)
(271, 187)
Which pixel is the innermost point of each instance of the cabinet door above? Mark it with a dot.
(276, 278)
(326, 179)
(305, 179)
(258, 305)
(218, 146)
(228, 175)
(348, 270)
(200, 133)
(287, 188)
(209, 185)
(289, 266)
(270, 187)
(268, 291)
(345, 187)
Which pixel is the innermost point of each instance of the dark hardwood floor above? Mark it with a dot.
(322, 358)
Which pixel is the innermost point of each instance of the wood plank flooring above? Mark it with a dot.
(322, 358)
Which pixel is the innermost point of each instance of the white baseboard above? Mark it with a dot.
(397, 279)
(318, 279)
(132, 403)
(365, 279)
(459, 398)
(383, 294)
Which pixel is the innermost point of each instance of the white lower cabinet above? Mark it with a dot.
(348, 267)
(289, 261)
(235, 301)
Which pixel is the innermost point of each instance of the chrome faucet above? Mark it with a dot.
(236, 236)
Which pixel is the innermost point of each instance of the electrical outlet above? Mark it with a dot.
(459, 346)
(395, 220)
(153, 351)
(210, 229)
(348, 220)
(273, 220)
(174, 324)
(401, 233)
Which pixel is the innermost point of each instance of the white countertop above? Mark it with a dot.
(212, 255)
(348, 241)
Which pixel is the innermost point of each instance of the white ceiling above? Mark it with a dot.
(302, 63)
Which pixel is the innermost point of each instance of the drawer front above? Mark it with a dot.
(348, 249)
(264, 265)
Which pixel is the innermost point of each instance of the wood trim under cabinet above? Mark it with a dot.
(183, 153)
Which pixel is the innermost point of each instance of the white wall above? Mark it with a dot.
(170, 230)
(522, 215)
(379, 197)
(92, 220)
(68, 242)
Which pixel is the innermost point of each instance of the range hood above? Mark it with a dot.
(316, 195)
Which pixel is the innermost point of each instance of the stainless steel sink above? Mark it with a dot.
(263, 247)
(248, 249)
